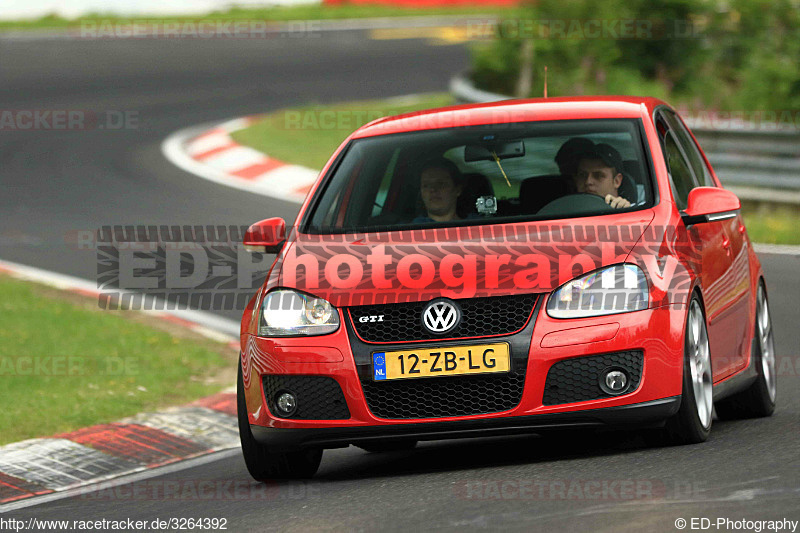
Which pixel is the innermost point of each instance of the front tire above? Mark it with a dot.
(263, 464)
(692, 423)
(759, 399)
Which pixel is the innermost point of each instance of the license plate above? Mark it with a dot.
(435, 362)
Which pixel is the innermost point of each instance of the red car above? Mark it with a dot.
(501, 268)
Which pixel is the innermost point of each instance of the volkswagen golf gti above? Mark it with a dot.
(496, 269)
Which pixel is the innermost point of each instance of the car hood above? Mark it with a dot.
(462, 262)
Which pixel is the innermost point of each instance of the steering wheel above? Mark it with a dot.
(576, 204)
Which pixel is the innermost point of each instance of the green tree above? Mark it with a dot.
(738, 55)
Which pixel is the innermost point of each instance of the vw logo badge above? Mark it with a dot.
(441, 316)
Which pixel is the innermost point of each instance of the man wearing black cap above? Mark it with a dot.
(599, 172)
(567, 156)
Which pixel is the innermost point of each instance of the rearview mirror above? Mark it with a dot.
(266, 236)
(707, 204)
(503, 150)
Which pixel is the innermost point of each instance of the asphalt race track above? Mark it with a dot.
(58, 182)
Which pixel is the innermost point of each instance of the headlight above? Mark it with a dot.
(286, 312)
(615, 289)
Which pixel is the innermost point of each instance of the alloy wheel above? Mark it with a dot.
(766, 344)
(700, 364)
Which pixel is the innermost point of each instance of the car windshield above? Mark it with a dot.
(484, 175)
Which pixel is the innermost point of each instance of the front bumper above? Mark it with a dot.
(642, 414)
(657, 333)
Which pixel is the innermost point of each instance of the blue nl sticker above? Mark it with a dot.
(379, 365)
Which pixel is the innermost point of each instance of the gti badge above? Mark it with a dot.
(441, 316)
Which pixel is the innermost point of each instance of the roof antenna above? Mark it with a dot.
(545, 81)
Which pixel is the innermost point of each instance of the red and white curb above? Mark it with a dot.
(69, 461)
(211, 153)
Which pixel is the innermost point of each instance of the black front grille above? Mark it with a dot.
(494, 315)
(318, 397)
(444, 397)
(578, 379)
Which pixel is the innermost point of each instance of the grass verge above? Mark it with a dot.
(319, 129)
(66, 364)
(271, 14)
(773, 224)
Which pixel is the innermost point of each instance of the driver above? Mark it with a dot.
(566, 158)
(440, 186)
(599, 172)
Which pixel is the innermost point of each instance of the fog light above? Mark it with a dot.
(614, 381)
(286, 402)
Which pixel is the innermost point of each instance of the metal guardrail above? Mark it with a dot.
(753, 158)
(742, 155)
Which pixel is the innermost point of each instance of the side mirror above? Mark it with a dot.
(266, 236)
(707, 204)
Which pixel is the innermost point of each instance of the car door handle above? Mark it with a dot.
(741, 228)
(726, 242)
